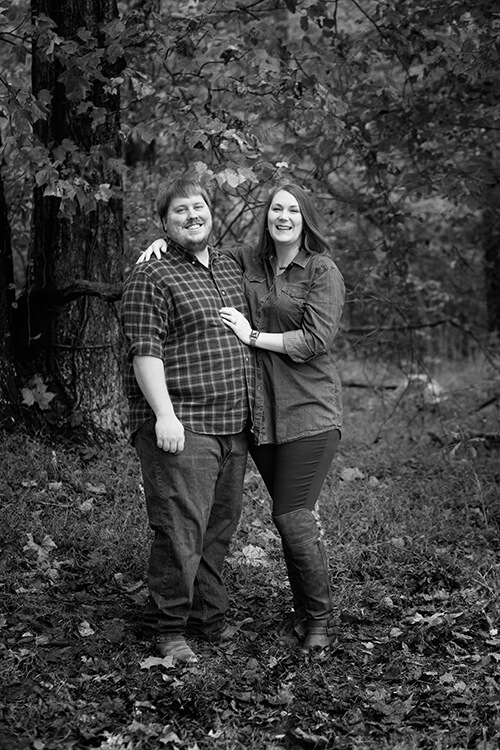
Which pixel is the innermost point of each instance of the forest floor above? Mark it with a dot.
(411, 513)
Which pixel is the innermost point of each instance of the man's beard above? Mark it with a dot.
(193, 246)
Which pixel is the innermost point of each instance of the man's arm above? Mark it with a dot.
(150, 376)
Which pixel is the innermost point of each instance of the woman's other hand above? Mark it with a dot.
(156, 248)
(237, 322)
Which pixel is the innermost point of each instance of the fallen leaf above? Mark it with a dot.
(96, 489)
(308, 738)
(43, 549)
(395, 632)
(128, 587)
(283, 698)
(86, 506)
(157, 661)
(85, 629)
(253, 555)
(349, 475)
(170, 736)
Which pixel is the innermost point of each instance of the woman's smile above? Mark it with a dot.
(284, 219)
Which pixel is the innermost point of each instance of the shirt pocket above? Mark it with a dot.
(293, 297)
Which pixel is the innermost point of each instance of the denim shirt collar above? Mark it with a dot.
(301, 259)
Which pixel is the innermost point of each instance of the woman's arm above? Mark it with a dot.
(236, 321)
(320, 322)
(321, 317)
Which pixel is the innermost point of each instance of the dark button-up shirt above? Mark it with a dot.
(170, 310)
(297, 393)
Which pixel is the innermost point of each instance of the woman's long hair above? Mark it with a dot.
(313, 239)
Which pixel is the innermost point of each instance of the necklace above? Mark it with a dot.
(283, 268)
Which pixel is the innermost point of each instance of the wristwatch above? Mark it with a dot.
(254, 335)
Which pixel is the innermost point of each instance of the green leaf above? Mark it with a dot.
(231, 177)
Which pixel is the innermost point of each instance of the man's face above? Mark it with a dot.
(189, 222)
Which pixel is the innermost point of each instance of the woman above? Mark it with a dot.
(295, 295)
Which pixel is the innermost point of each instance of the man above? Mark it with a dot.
(187, 383)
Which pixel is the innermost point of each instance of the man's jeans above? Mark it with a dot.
(194, 501)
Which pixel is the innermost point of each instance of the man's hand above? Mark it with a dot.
(150, 376)
(169, 434)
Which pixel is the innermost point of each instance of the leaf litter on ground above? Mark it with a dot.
(415, 575)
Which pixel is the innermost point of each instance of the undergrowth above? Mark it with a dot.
(410, 512)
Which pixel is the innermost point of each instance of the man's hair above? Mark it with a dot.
(182, 187)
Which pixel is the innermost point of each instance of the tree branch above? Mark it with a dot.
(83, 288)
(405, 326)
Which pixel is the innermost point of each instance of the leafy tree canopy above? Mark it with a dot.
(387, 111)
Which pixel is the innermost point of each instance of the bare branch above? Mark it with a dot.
(83, 288)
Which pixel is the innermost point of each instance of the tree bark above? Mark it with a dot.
(77, 345)
(492, 266)
(8, 390)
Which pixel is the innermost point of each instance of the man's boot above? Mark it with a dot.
(307, 565)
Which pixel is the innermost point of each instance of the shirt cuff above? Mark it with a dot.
(296, 347)
(145, 349)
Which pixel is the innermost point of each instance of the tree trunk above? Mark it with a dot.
(492, 266)
(77, 345)
(8, 390)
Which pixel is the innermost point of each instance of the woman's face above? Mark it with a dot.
(284, 219)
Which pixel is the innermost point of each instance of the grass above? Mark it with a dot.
(413, 538)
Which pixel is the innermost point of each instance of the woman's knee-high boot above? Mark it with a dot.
(307, 566)
(294, 629)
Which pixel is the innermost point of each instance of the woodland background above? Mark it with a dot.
(388, 112)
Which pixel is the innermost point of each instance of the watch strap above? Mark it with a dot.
(254, 335)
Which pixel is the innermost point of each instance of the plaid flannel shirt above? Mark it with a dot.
(170, 310)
